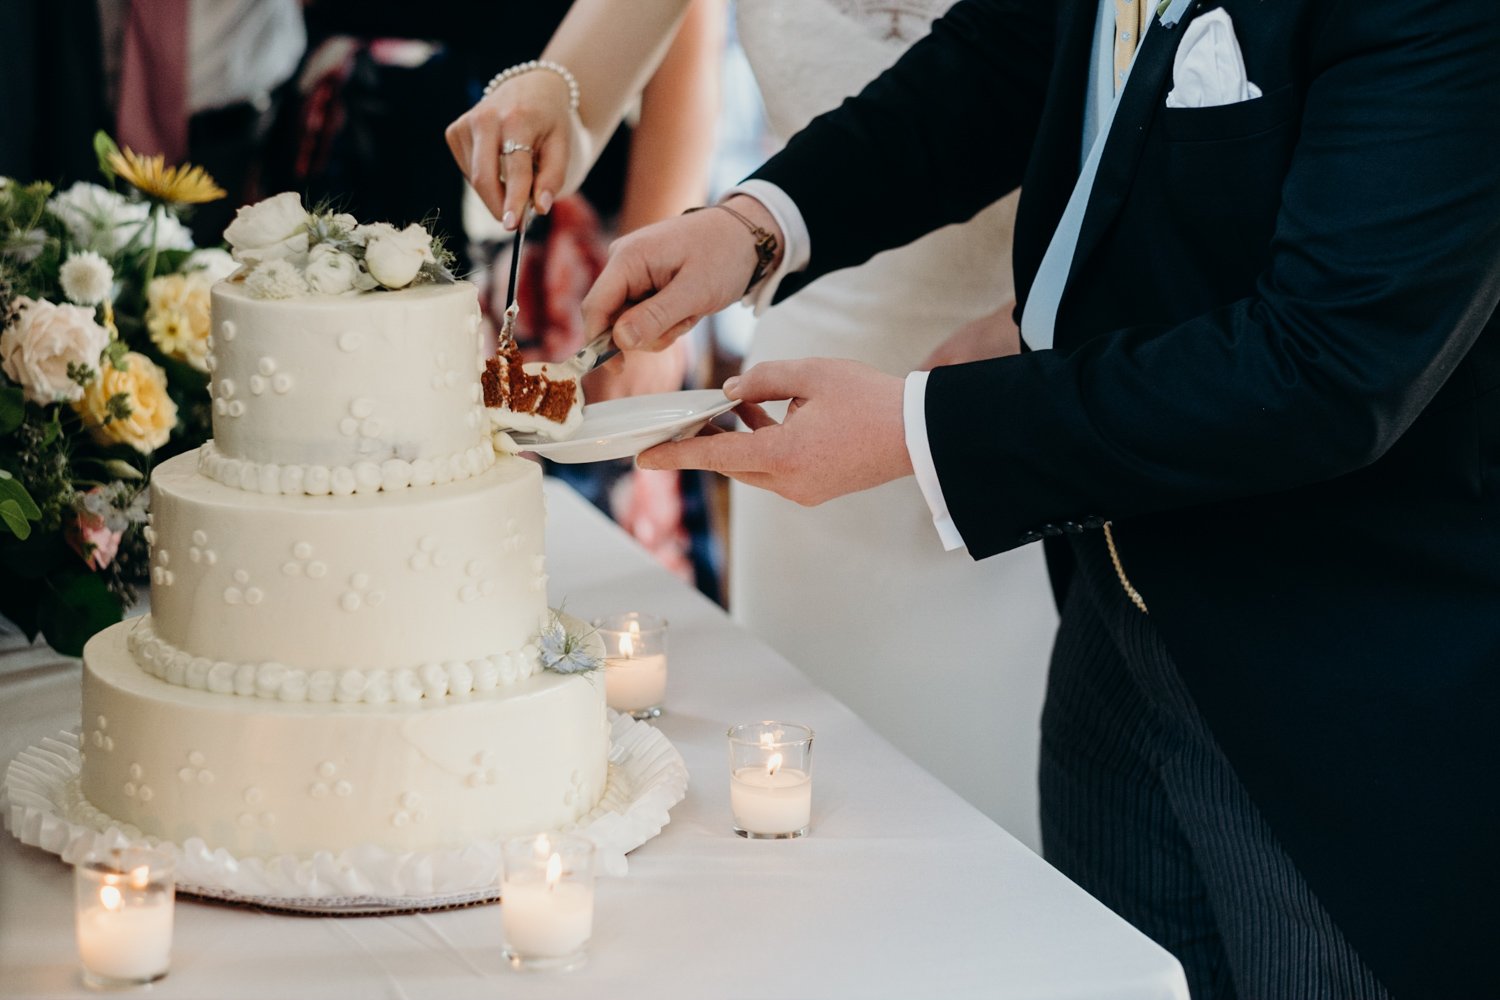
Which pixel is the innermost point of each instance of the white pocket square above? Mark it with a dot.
(1209, 69)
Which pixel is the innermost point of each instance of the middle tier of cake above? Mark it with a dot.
(443, 584)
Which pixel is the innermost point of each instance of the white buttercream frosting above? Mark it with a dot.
(345, 383)
(293, 776)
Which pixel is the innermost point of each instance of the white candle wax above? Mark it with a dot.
(635, 683)
(779, 802)
(546, 922)
(131, 941)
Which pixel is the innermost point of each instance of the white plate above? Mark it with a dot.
(618, 428)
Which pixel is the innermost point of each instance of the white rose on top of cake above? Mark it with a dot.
(349, 593)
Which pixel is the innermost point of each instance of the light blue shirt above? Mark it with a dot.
(1040, 315)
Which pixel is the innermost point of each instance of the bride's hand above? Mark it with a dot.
(992, 336)
(527, 110)
(844, 431)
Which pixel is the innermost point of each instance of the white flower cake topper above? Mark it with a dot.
(289, 251)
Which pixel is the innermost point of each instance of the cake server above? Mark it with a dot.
(508, 324)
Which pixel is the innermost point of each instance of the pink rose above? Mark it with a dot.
(90, 537)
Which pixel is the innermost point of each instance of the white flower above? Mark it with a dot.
(95, 217)
(330, 270)
(172, 234)
(47, 340)
(99, 219)
(276, 279)
(86, 278)
(215, 264)
(395, 256)
(273, 229)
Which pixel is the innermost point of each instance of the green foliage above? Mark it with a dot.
(73, 607)
(12, 409)
(104, 147)
(17, 509)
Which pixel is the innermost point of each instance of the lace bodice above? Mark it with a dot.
(808, 55)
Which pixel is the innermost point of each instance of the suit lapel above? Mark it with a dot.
(1142, 96)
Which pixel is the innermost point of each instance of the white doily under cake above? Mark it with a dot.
(43, 807)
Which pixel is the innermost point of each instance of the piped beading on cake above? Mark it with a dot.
(349, 685)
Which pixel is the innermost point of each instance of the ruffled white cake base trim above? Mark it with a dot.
(43, 807)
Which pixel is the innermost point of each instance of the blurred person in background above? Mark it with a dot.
(201, 80)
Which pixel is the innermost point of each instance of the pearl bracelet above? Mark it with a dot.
(535, 64)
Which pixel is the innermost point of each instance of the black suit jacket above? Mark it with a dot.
(1277, 371)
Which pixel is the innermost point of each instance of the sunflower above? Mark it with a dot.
(183, 185)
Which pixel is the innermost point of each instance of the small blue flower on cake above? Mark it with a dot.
(566, 652)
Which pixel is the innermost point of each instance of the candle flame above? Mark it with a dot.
(554, 871)
(627, 645)
(773, 765)
(635, 629)
(140, 876)
(110, 897)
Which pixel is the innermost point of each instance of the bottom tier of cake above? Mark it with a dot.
(266, 777)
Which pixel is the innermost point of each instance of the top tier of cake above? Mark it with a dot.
(346, 393)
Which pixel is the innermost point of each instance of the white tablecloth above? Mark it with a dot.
(902, 890)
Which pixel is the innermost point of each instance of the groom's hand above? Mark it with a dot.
(844, 431)
(662, 279)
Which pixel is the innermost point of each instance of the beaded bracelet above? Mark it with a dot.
(535, 64)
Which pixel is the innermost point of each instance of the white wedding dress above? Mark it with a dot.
(944, 656)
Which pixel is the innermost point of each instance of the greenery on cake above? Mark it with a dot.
(566, 652)
(288, 251)
(104, 322)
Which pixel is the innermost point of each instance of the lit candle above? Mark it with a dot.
(635, 665)
(123, 921)
(770, 781)
(547, 908)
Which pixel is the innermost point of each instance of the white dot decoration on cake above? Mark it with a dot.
(484, 772)
(302, 562)
(410, 810)
(360, 594)
(350, 341)
(444, 376)
(196, 771)
(241, 592)
(228, 329)
(199, 550)
(577, 792)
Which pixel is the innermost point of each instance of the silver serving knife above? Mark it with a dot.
(508, 324)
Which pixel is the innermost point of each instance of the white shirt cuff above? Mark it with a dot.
(914, 414)
(796, 244)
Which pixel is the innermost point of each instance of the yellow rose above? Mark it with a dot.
(143, 387)
(177, 316)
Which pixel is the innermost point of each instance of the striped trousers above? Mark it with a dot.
(1141, 808)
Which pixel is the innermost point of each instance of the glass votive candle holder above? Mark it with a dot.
(122, 908)
(635, 663)
(547, 901)
(770, 780)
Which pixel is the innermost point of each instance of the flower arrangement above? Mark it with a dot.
(103, 334)
(288, 251)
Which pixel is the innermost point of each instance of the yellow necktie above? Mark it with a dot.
(1129, 20)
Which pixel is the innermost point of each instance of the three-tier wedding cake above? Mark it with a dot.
(348, 586)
